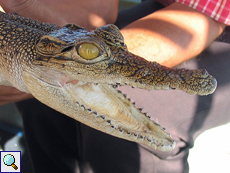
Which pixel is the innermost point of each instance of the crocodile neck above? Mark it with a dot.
(18, 38)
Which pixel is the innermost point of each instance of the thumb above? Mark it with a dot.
(11, 6)
(33, 9)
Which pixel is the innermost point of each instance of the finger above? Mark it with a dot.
(10, 95)
(33, 9)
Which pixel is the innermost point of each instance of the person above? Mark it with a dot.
(170, 36)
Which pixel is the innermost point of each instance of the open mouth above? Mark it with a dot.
(93, 89)
(79, 72)
(107, 109)
(117, 115)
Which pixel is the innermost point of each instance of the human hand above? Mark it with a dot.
(34, 9)
(89, 14)
(10, 94)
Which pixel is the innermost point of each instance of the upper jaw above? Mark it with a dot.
(132, 70)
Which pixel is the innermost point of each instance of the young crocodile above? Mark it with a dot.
(76, 71)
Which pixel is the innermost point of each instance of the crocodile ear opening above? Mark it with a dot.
(111, 35)
(50, 46)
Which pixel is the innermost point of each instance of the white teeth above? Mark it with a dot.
(95, 114)
(109, 121)
(103, 117)
(121, 130)
(83, 106)
(89, 110)
(157, 121)
(135, 135)
(128, 132)
(150, 139)
(142, 137)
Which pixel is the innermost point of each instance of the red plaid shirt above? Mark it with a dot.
(216, 9)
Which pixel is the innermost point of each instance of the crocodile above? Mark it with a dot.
(77, 72)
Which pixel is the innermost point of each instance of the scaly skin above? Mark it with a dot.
(48, 62)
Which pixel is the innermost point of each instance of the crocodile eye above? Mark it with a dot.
(88, 51)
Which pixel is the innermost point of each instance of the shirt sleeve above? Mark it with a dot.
(216, 9)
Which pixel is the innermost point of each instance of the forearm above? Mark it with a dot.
(171, 35)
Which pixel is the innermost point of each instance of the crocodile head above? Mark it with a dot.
(78, 72)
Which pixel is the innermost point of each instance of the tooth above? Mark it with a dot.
(136, 135)
(128, 133)
(103, 117)
(121, 130)
(142, 137)
(157, 122)
(83, 106)
(95, 114)
(78, 103)
(149, 116)
(150, 139)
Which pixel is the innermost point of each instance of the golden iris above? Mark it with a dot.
(88, 51)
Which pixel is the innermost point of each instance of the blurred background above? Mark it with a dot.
(211, 152)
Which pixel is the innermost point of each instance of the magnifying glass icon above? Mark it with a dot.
(9, 160)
